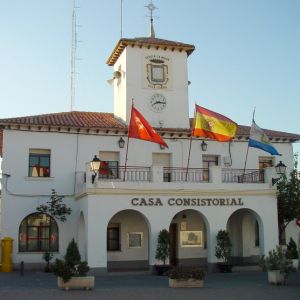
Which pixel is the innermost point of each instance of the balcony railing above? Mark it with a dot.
(243, 176)
(131, 174)
(181, 174)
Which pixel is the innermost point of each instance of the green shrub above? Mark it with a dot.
(47, 256)
(292, 251)
(277, 260)
(185, 273)
(72, 266)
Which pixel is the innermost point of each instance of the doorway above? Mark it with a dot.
(173, 244)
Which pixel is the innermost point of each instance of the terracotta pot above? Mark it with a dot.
(86, 283)
(186, 283)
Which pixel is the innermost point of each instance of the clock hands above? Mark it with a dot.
(159, 102)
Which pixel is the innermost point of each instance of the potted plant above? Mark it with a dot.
(162, 251)
(223, 251)
(277, 265)
(292, 253)
(72, 272)
(186, 277)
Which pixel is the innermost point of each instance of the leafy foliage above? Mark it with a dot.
(223, 248)
(72, 256)
(72, 266)
(288, 200)
(163, 246)
(185, 273)
(55, 207)
(277, 260)
(47, 256)
(292, 251)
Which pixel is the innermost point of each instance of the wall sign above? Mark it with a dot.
(191, 238)
(188, 202)
(135, 239)
(156, 71)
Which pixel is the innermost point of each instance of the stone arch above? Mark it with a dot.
(81, 237)
(128, 241)
(245, 227)
(189, 238)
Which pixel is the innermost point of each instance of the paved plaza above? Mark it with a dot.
(138, 286)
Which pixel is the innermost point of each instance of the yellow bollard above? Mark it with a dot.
(6, 251)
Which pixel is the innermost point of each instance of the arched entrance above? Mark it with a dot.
(188, 237)
(128, 241)
(245, 228)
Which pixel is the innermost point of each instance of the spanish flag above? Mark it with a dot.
(213, 125)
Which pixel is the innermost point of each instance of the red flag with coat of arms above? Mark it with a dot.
(139, 128)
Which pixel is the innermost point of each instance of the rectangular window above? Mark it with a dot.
(109, 166)
(39, 163)
(113, 238)
(264, 162)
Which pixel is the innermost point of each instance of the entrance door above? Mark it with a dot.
(173, 244)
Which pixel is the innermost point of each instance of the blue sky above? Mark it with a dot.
(247, 54)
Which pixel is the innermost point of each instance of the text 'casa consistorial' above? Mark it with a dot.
(188, 202)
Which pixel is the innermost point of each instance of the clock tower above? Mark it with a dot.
(152, 72)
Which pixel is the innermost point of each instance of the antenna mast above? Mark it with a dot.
(121, 18)
(73, 56)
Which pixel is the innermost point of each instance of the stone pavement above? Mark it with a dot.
(140, 286)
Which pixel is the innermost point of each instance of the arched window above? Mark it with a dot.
(38, 233)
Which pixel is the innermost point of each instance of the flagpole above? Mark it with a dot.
(126, 157)
(248, 146)
(188, 163)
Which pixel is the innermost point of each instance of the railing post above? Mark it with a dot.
(269, 174)
(157, 173)
(215, 174)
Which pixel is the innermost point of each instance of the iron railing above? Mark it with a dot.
(243, 176)
(184, 175)
(131, 174)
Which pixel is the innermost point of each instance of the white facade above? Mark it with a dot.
(156, 193)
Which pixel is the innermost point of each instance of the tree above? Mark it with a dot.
(55, 207)
(288, 200)
(223, 248)
(163, 246)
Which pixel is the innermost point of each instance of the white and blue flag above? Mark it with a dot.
(258, 139)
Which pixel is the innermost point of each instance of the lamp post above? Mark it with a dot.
(95, 164)
(280, 170)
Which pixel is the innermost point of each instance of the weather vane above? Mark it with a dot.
(151, 7)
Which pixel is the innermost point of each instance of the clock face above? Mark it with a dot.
(158, 102)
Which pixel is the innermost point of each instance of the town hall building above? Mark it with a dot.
(117, 215)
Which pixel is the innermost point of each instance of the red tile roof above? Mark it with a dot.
(99, 120)
(147, 42)
(78, 119)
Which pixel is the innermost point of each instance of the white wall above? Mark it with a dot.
(22, 194)
(176, 114)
